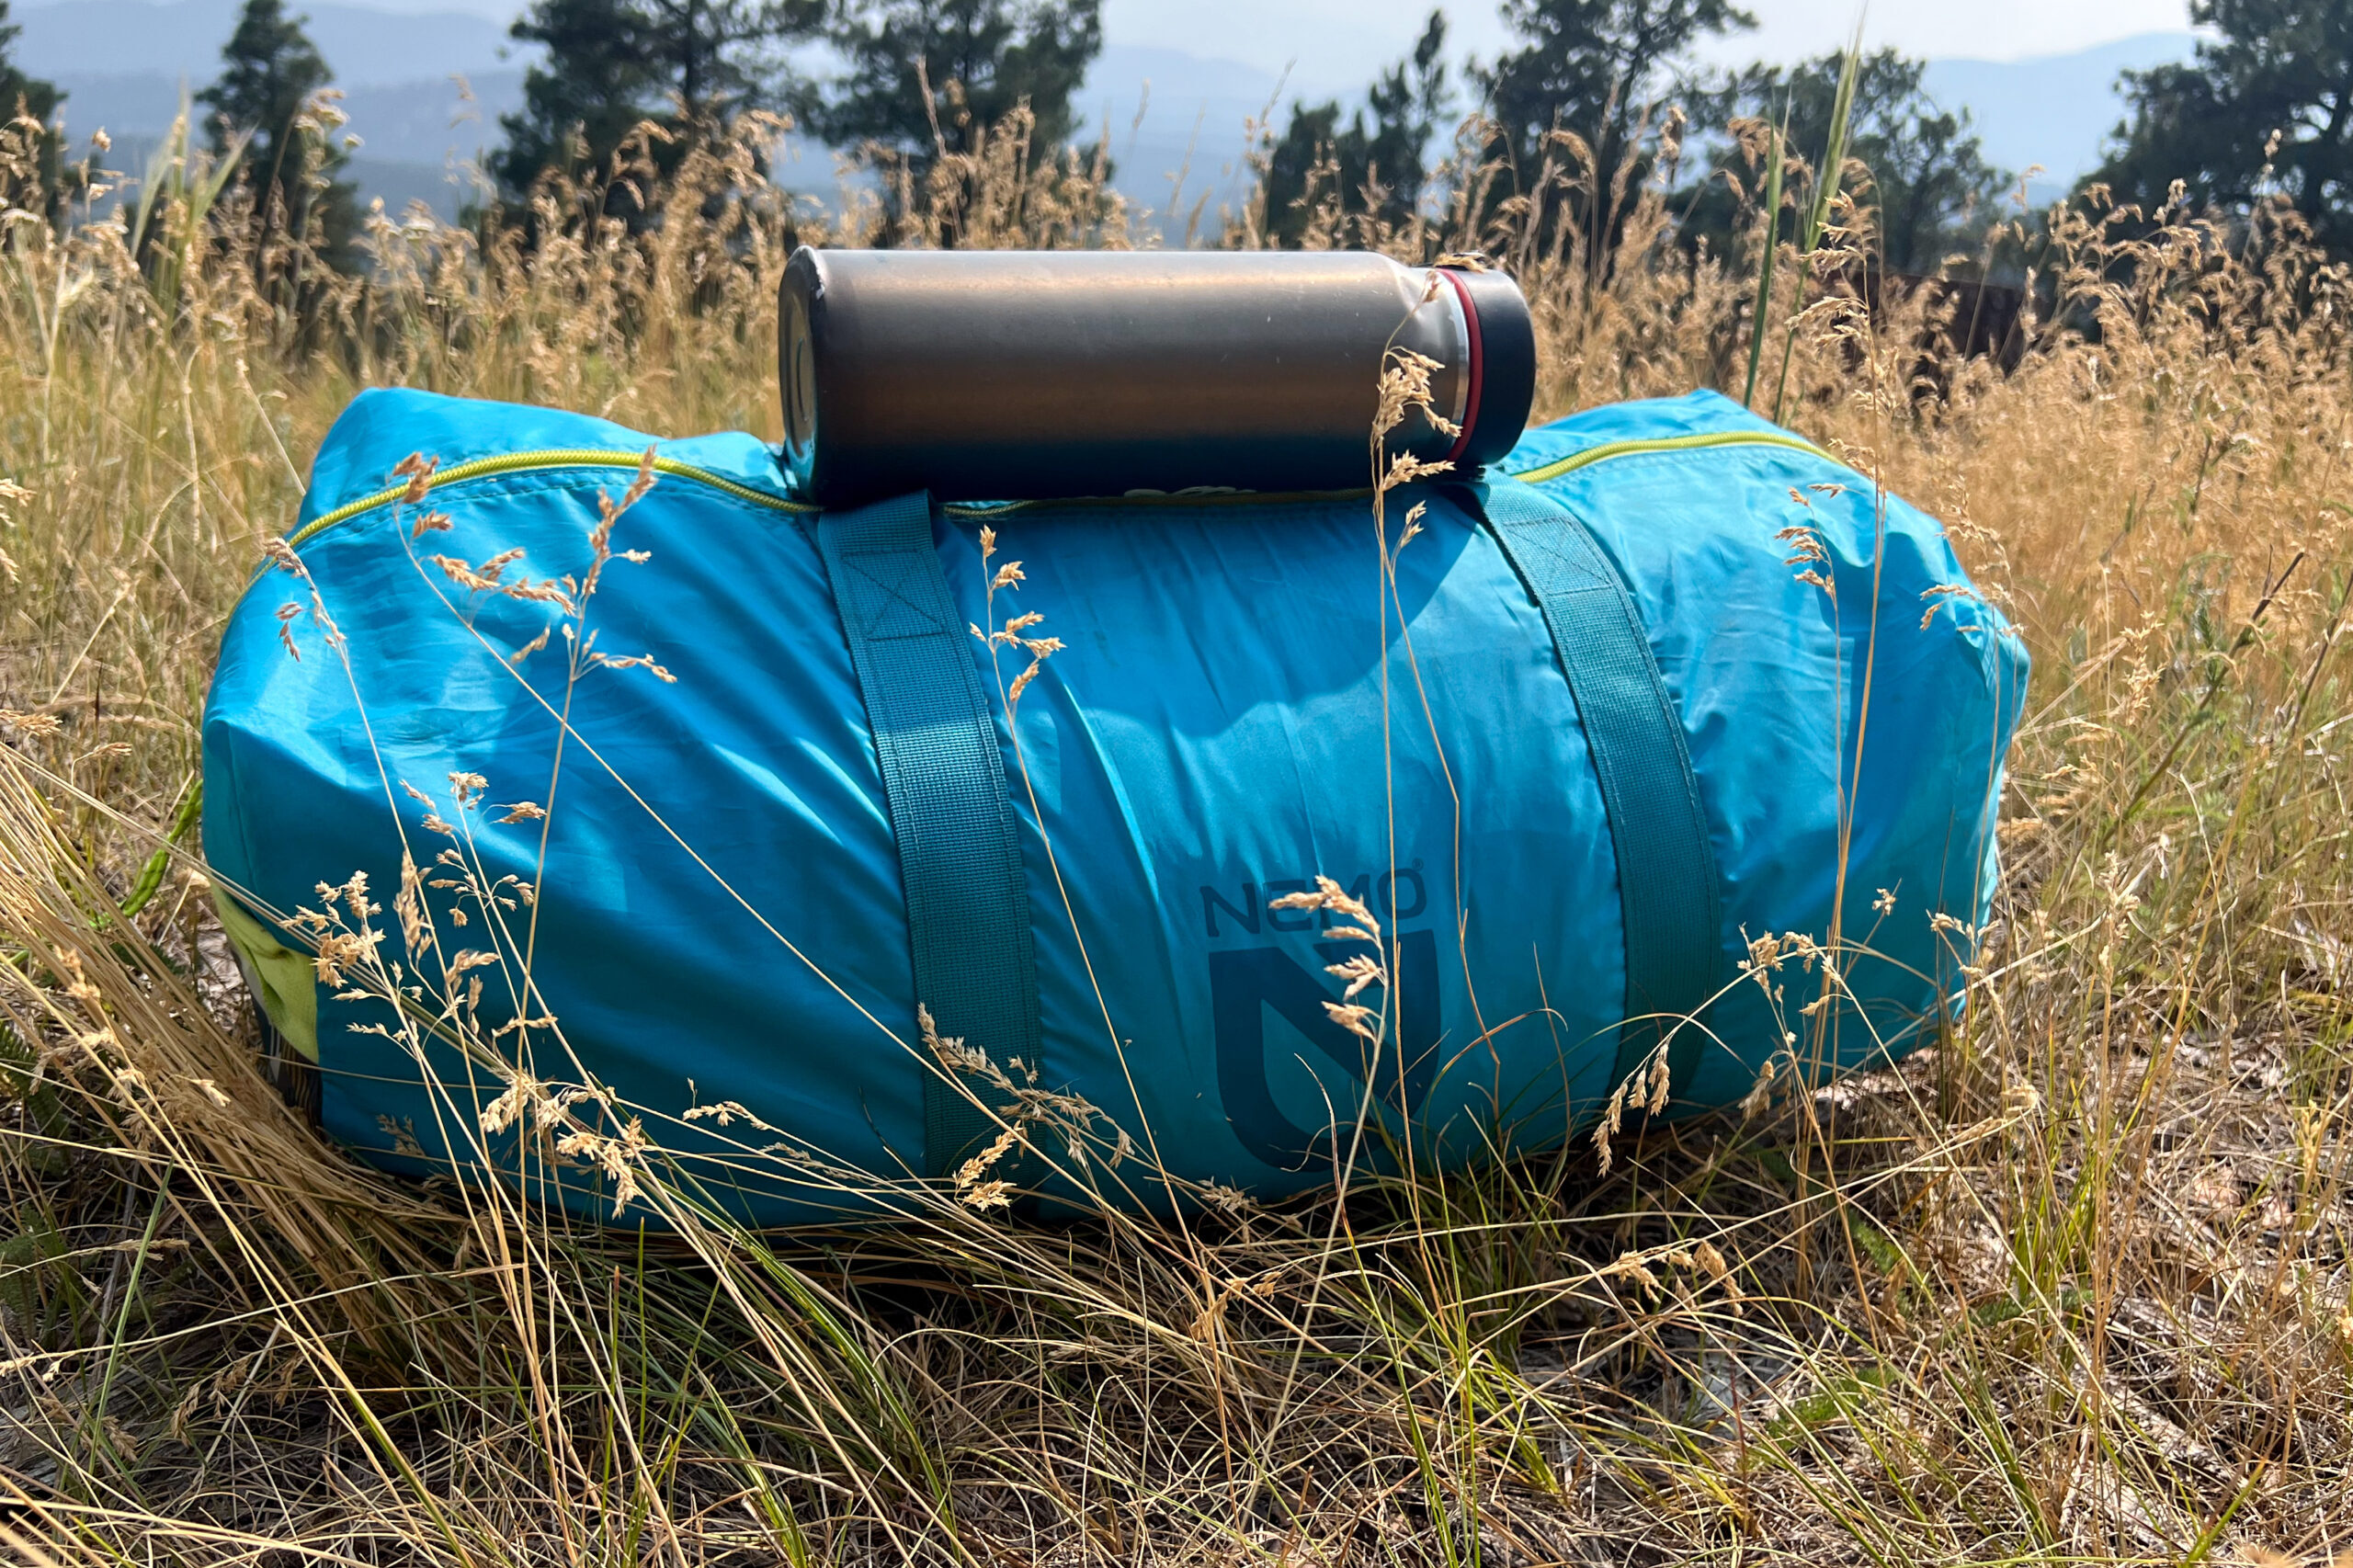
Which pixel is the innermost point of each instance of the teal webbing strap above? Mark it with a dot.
(943, 781)
(1666, 872)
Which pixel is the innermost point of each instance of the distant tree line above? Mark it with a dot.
(921, 77)
(1584, 94)
(2264, 111)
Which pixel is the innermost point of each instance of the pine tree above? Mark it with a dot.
(1384, 154)
(687, 66)
(2266, 107)
(36, 99)
(267, 94)
(593, 87)
(1592, 67)
(978, 58)
(1929, 180)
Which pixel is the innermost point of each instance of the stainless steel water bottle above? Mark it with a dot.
(1008, 375)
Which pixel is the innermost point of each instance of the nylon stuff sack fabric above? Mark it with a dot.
(712, 916)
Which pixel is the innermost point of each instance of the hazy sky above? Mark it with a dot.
(1351, 37)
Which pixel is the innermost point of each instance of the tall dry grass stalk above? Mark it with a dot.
(2071, 1285)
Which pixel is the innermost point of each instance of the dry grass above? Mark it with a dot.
(2072, 1285)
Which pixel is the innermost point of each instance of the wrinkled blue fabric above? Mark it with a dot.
(1235, 709)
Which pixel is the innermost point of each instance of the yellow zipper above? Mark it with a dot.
(1609, 450)
(520, 463)
(585, 457)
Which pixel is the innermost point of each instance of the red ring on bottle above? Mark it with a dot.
(1472, 368)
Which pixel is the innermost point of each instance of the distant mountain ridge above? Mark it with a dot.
(364, 45)
(1177, 125)
(2055, 111)
(424, 89)
(1176, 120)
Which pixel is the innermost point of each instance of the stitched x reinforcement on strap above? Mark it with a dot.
(1667, 871)
(943, 781)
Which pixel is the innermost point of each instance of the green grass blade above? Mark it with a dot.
(1776, 157)
(1825, 192)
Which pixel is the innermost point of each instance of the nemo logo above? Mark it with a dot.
(1247, 984)
(1392, 896)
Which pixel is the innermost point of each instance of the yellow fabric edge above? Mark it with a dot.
(289, 980)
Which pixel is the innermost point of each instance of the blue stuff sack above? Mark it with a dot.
(1566, 743)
